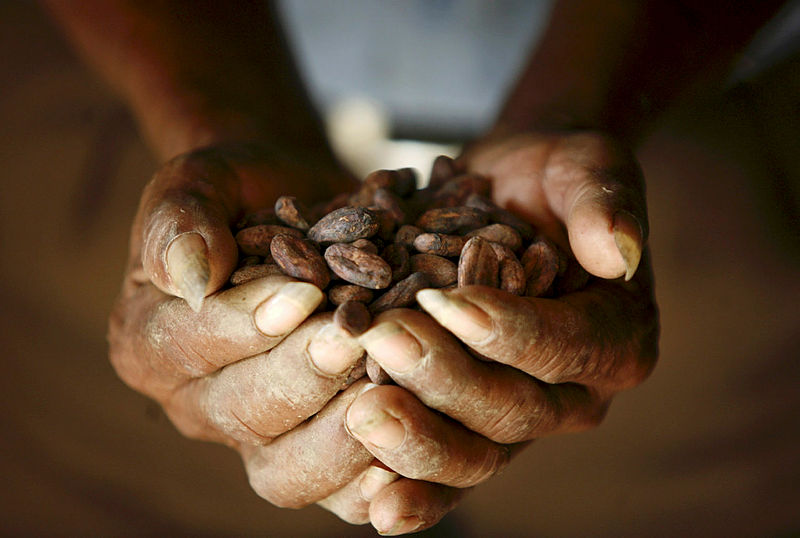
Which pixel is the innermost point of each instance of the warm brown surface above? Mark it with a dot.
(707, 446)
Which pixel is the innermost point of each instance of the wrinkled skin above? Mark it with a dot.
(554, 364)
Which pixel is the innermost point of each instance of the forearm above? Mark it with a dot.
(615, 65)
(196, 73)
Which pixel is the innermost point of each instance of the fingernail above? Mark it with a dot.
(288, 308)
(375, 426)
(374, 480)
(403, 526)
(187, 266)
(628, 237)
(333, 351)
(463, 318)
(392, 346)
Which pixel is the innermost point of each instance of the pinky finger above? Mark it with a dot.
(407, 505)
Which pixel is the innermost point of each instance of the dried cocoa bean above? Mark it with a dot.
(386, 223)
(251, 272)
(541, 264)
(323, 208)
(250, 260)
(391, 203)
(341, 293)
(377, 374)
(478, 264)
(572, 278)
(440, 271)
(442, 170)
(353, 317)
(512, 275)
(358, 267)
(439, 244)
(406, 182)
(345, 225)
(406, 235)
(254, 218)
(292, 212)
(300, 259)
(449, 220)
(499, 233)
(255, 240)
(501, 216)
(365, 244)
(456, 191)
(396, 255)
(402, 294)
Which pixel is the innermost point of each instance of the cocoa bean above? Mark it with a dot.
(440, 271)
(255, 240)
(478, 264)
(449, 220)
(358, 371)
(341, 293)
(406, 182)
(300, 259)
(541, 264)
(501, 216)
(254, 218)
(456, 191)
(358, 267)
(391, 203)
(406, 235)
(323, 208)
(353, 317)
(402, 294)
(439, 244)
(499, 233)
(292, 212)
(396, 255)
(250, 260)
(572, 278)
(251, 272)
(442, 170)
(386, 223)
(512, 274)
(345, 225)
(377, 374)
(365, 244)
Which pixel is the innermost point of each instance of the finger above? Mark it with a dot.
(183, 223)
(418, 443)
(597, 189)
(407, 506)
(157, 341)
(310, 462)
(351, 503)
(256, 399)
(501, 403)
(604, 336)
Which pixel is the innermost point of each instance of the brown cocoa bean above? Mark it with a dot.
(255, 240)
(456, 191)
(254, 218)
(358, 371)
(499, 233)
(402, 294)
(323, 208)
(391, 203)
(386, 223)
(251, 272)
(406, 182)
(377, 374)
(365, 244)
(501, 216)
(396, 255)
(440, 271)
(300, 259)
(448, 220)
(341, 293)
(478, 264)
(442, 170)
(292, 212)
(439, 244)
(353, 317)
(250, 260)
(345, 225)
(572, 278)
(512, 275)
(358, 267)
(406, 235)
(541, 264)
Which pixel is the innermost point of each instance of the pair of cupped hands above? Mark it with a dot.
(479, 373)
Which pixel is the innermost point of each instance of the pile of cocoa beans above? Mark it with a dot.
(372, 250)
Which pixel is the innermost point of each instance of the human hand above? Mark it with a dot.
(547, 365)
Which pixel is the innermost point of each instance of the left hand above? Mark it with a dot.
(554, 364)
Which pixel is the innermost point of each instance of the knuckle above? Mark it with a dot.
(173, 352)
(270, 490)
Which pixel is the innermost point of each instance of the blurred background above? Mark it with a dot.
(708, 446)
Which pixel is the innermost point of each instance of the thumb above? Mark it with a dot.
(597, 190)
(187, 248)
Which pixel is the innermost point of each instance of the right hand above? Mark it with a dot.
(250, 367)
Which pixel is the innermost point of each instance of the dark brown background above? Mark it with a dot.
(707, 446)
